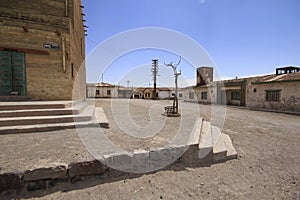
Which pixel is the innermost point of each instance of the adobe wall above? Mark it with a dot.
(289, 96)
(77, 48)
(30, 25)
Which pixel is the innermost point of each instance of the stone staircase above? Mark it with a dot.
(213, 146)
(36, 116)
(207, 145)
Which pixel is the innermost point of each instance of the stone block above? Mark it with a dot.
(45, 173)
(82, 168)
(10, 181)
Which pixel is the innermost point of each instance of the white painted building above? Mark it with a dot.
(102, 90)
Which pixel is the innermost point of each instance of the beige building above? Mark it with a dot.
(107, 90)
(161, 93)
(280, 91)
(42, 49)
(205, 94)
(102, 90)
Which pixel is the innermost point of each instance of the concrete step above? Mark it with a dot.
(74, 110)
(205, 143)
(30, 105)
(15, 121)
(86, 115)
(90, 116)
(100, 117)
(219, 148)
(45, 127)
(37, 112)
(231, 152)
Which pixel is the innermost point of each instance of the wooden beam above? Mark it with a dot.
(32, 51)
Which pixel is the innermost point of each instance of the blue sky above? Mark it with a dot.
(242, 37)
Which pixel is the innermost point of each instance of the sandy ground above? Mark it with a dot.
(267, 167)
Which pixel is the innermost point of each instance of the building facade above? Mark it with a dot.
(280, 91)
(42, 49)
(102, 90)
(161, 93)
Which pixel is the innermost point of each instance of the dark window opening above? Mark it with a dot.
(272, 95)
(203, 95)
(97, 92)
(108, 92)
(191, 95)
(254, 90)
(235, 95)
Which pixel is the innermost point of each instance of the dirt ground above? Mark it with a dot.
(268, 145)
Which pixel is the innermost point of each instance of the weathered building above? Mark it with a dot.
(102, 90)
(125, 92)
(107, 90)
(205, 94)
(42, 49)
(280, 91)
(161, 93)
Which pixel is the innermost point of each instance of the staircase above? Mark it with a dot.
(36, 116)
(213, 146)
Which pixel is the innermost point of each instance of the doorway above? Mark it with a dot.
(12, 73)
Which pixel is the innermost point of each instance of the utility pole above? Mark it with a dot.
(176, 74)
(154, 70)
(128, 84)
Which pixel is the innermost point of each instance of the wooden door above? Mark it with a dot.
(12, 73)
(5, 73)
(19, 73)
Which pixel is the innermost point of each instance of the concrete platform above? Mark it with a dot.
(42, 159)
(34, 177)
